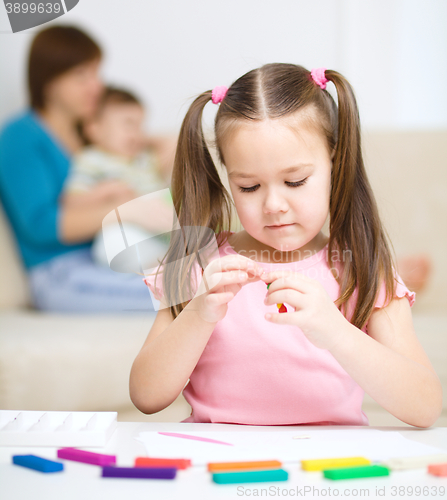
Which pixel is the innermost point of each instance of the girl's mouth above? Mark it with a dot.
(284, 226)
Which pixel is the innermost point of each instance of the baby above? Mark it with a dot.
(119, 153)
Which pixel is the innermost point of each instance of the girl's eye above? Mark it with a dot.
(291, 184)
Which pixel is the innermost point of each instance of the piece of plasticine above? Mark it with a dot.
(421, 461)
(87, 457)
(356, 472)
(179, 463)
(255, 476)
(331, 463)
(260, 464)
(37, 463)
(281, 307)
(438, 469)
(140, 472)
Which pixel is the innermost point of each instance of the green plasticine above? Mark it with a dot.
(356, 472)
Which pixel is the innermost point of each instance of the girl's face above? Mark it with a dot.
(279, 175)
(76, 91)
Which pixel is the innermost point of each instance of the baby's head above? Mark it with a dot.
(117, 126)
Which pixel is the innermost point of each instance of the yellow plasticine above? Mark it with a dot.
(333, 463)
(277, 305)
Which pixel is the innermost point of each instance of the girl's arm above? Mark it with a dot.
(173, 347)
(391, 365)
(167, 358)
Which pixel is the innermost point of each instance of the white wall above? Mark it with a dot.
(394, 52)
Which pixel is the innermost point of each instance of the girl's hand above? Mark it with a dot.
(222, 279)
(314, 311)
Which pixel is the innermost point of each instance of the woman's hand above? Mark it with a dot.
(82, 213)
(114, 190)
(151, 213)
(108, 193)
(222, 279)
(314, 311)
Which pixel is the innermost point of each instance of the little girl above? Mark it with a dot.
(293, 159)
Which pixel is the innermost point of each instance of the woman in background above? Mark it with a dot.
(36, 148)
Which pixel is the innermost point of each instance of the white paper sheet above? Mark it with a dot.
(373, 444)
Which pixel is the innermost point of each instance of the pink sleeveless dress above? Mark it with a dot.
(257, 373)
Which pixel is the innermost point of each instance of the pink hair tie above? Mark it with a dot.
(218, 94)
(318, 77)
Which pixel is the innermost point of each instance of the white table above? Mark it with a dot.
(82, 481)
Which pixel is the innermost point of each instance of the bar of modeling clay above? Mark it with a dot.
(87, 457)
(140, 472)
(257, 476)
(331, 463)
(438, 469)
(418, 462)
(260, 464)
(37, 463)
(356, 472)
(179, 463)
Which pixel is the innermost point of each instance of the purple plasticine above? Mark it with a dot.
(86, 457)
(140, 472)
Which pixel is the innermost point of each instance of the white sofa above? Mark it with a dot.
(66, 361)
(82, 362)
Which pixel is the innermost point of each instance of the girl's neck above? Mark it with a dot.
(63, 126)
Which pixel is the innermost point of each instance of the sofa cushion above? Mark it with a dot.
(68, 362)
(14, 291)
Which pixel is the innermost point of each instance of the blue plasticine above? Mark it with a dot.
(37, 463)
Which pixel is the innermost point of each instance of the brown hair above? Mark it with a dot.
(110, 95)
(275, 91)
(115, 95)
(54, 51)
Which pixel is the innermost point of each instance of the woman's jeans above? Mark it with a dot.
(72, 282)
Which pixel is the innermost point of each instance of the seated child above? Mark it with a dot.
(292, 156)
(119, 152)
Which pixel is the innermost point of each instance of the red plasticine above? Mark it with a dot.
(179, 463)
(438, 469)
(282, 308)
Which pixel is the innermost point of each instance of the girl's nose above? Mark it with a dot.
(275, 202)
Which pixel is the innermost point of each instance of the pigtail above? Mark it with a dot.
(355, 226)
(200, 201)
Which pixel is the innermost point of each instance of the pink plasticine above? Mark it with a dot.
(87, 457)
(187, 436)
